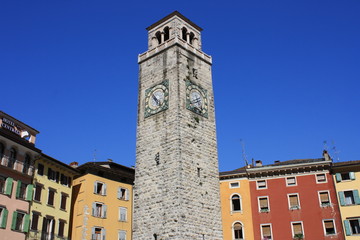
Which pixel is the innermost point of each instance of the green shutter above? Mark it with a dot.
(4, 218)
(352, 175)
(347, 227)
(18, 188)
(26, 223)
(342, 198)
(13, 223)
(356, 197)
(338, 177)
(9, 183)
(29, 192)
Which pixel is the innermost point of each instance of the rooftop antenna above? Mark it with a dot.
(94, 159)
(243, 152)
(336, 152)
(326, 147)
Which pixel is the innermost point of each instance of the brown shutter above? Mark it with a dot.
(266, 230)
(263, 202)
(324, 197)
(329, 224)
(297, 228)
(294, 200)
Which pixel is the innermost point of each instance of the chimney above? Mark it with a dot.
(110, 160)
(258, 163)
(326, 156)
(74, 164)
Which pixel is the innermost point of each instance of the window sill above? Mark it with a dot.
(52, 206)
(64, 210)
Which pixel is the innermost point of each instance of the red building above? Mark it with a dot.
(294, 200)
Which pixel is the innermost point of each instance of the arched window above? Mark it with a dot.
(192, 35)
(158, 36)
(238, 231)
(184, 34)
(26, 163)
(166, 33)
(236, 203)
(12, 158)
(1, 151)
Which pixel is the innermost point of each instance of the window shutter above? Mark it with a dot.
(93, 209)
(347, 227)
(356, 197)
(127, 194)
(263, 202)
(18, 188)
(9, 183)
(95, 187)
(266, 231)
(338, 177)
(29, 192)
(104, 189)
(4, 218)
(324, 197)
(26, 223)
(119, 193)
(57, 176)
(342, 198)
(13, 223)
(103, 234)
(93, 233)
(352, 175)
(294, 201)
(49, 173)
(104, 208)
(297, 228)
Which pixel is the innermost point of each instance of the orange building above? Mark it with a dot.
(236, 205)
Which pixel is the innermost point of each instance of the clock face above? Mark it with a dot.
(196, 99)
(156, 98)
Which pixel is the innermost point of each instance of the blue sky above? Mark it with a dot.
(285, 73)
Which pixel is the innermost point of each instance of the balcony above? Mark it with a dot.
(17, 165)
(37, 235)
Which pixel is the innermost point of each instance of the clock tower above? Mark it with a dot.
(176, 192)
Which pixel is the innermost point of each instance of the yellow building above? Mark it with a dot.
(102, 202)
(236, 205)
(347, 182)
(51, 205)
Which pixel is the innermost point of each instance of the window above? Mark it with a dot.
(235, 203)
(297, 229)
(21, 190)
(123, 194)
(64, 180)
(321, 178)
(40, 169)
(345, 176)
(12, 158)
(3, 216)
(48, 227)
(35, 221)
(238, 231)
(291, 181)
(38, 188)
(294, 201)
(20, 222)
(261, 184)
(51, 174)
(99, 210)
(266, 231)
(63, 201)
(122, 214)
(234, 184)
(324, 199)
(98, 233)
(122, 235)
(264, 204)
(99, 188)
(2, 148)
(352, 226)
(350, 197)
(26, 164)
(51, 197)
(2, 184)
(61, 228)
(329, 227)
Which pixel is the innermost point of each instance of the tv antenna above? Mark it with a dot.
(336, 151)
(94, 159)
(243, 152)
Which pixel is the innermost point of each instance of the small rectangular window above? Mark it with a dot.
(99, 210)
(98, 233)
(324, 199)
(51, 174)
(123, 194)
(38, 188)
(294, 201)
(51, 196)
(21, 190)
(297, 230)
(354, 227)
(122, 214)
(100, 188)
(40, 169)
(321, 178)
(122, 235)
(234, 184)
(35, 221)
(61, 228)
(266, 231)
(20, 222)
(63, 201)
(264, 204)
(291, 181)
(2, 184)
(261, 184)
(329, 227)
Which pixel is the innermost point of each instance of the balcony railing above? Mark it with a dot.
(17, 165)
(38, 235)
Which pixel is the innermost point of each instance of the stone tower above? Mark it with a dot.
(176, 194)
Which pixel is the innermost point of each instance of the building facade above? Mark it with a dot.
(177, 179)
(51, 205)
(346, 176)
(102, 202)
(236, 205)
(17, 154)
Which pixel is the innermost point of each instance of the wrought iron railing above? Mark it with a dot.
(16, 165)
